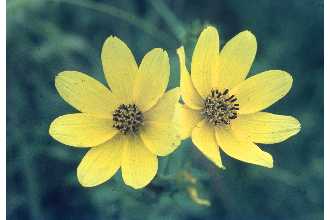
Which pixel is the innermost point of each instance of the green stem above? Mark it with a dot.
(169, 17)
(30, 183)
(123, 15)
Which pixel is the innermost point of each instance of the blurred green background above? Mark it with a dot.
(45, 37)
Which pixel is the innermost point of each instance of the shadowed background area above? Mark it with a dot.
(45, 37)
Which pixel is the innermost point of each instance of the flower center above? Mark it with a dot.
(127, 118)
(220, 108)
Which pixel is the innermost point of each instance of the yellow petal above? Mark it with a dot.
(161, 138)
(119, 67)
(81, 130)
(85, 93)
(242, 149)
(204, 139)
(160, 133)
(189, 118)
(100, 163)
(266, 128)
(139, 165)
(152, 79)
(204, 58)
(163, 111)
(189, 94)
(262, 90)
(235, 60)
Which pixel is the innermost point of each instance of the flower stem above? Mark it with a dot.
(133, 20)
(169, 17)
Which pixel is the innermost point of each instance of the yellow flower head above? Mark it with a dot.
(222, 108)
(127, 127)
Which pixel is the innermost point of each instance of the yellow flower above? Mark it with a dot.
(127, 127)
(223, 109)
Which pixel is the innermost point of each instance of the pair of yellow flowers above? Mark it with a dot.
(138, 120)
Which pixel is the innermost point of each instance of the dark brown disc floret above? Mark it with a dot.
(220, 108)
(127, 118)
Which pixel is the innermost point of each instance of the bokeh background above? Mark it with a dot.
(45, 37)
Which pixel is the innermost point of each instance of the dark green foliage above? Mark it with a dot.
(45, 37)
